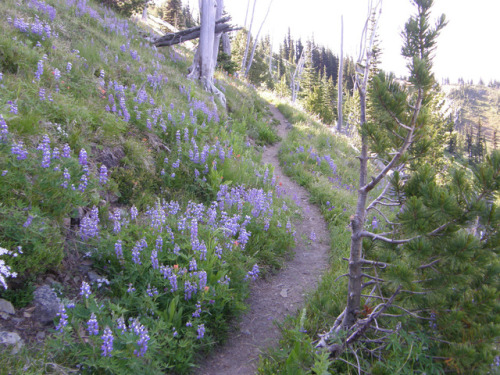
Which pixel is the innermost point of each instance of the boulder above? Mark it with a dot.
(6, 309)
(11, 339)
(46, 304)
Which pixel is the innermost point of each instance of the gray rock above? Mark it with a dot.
(93, 276)
(6, 309)
(8, 339)
(46, 304)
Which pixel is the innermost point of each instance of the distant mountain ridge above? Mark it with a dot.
(472, 105)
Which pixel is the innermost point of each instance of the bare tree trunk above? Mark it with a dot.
(218, 14)
(340, 76)
(246, 14)
(203, 63)
(145, 11)
(354, 288)
(249, 36)
(296, 77)
(256, 39)
(226, 44)
(271, 59)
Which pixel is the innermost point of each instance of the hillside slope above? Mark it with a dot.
(474, 104)
(126, 190)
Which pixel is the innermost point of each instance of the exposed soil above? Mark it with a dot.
(275, 297)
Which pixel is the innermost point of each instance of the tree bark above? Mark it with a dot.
(256, 39)
(218, 14)
(249, 36)
(226, 44)
(340, 77)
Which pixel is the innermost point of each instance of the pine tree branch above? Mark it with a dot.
(375, 236)
(429, 264)
(382, 214)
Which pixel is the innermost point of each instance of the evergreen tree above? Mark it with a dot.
(172, 13)
(433, 263)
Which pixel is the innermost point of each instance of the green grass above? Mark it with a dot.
(177, 146)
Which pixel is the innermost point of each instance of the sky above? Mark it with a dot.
(468, 47)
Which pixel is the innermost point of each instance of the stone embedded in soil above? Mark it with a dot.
(46, 304)
(11, 339)
(6, 309)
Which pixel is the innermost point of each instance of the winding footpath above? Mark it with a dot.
(275, 297)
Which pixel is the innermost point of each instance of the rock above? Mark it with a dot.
(93, 276)
(283, 293)
(46, 304)
(40, 335)
(6, 309)
(11, 339)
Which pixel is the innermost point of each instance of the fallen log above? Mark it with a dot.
(221, 26)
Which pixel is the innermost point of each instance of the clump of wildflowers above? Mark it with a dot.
(5, 270)
(63, 318)
(92, 325)
(107, 342)
(85, 290)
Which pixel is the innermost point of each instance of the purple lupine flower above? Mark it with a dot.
(312, 236)
(66, 151)
(12, 107)
(89, 226)
(192, 265)
(83, 183)
(119, 250)
(159, 243)
(172, 279)
(39, 70)
(19, 150)
(103, 175)
(41, 94)
(4, 129)
(57, 74)
(66, 177)
(55, 153)
(200, 331)
(82, 157)
(131, 288)
(133, 212)
(4, 172)
(254, 273)
(151, 291)
(202, 276)
(92, 325)
(68, 67)
(115, 218)
(120, 324)
(28, 221)
(107, 342)
(197, 312)
(63, 318)
(189, 289)
(85, 290)
(374, 223)
(154, 259)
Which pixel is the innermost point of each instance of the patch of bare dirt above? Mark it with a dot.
(278, 295)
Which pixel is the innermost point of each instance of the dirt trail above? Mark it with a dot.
(273, 298)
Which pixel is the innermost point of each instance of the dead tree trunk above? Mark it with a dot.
(203, 66)
(218, 14)
(340, 77)
(221, 26)
(226, 44)
(249, 36)
(296, 77)
(256, 39)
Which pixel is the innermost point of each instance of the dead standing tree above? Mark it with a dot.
(205, 59)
